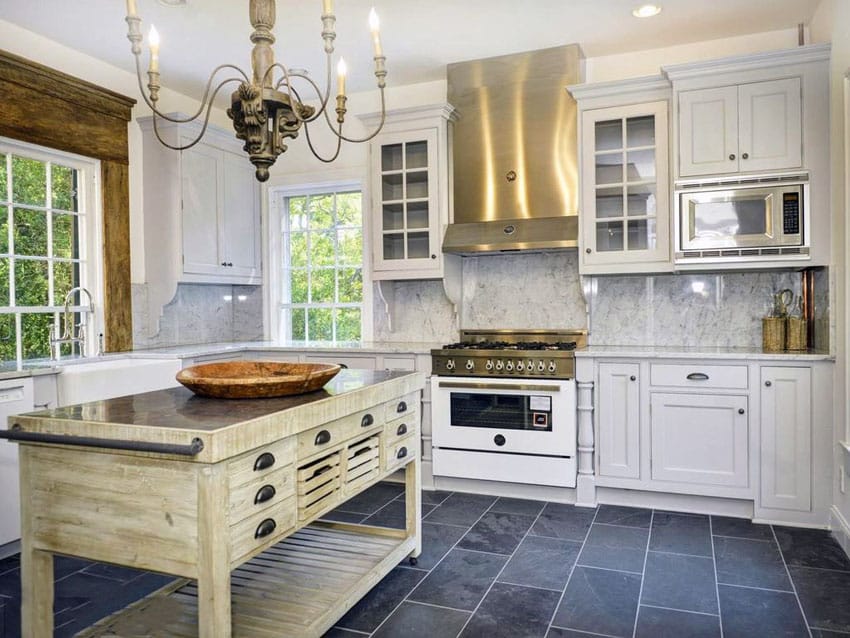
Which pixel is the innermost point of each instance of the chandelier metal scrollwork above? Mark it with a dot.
(266, 108)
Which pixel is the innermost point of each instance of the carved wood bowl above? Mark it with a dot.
(256, 379)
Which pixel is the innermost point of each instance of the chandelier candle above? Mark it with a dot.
(266, 108)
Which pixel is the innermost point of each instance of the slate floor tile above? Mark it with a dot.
(614, 547)
(669, 623)
(393, 514)
(9, 563)
(496, 532)
(336, 632)
(541, 562)
(750, 563)
(437, 540)
(518, 506)
(375, 606)
(341, 516)
(679, 582)
(434, 497)
(681, 534)
(746, 613)
(413, 620)
(811, 548)
(823, 633)
(564, 521)
(511, 611)
(461, 509)
(599, 601)
(10, 584)
(374, 498)
(460, 580)
(740, 528)
(626, 516)
(825, 596)
(113, 572)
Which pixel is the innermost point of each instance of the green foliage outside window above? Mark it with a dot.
(323, 269)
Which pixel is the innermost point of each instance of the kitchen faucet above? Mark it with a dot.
(68, 334)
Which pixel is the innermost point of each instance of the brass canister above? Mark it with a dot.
(795, 334)
(773, 334)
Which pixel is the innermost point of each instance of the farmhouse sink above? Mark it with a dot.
(109, 378)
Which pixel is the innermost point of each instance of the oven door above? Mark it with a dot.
(518, 416)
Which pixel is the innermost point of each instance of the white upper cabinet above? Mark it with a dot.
(744, 128)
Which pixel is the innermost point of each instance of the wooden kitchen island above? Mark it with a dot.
(224, 494)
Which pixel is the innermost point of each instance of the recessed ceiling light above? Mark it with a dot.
(646, 11)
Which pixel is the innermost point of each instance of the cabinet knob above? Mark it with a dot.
(588, 251)
(230, 264)
(224, 263)
(633, 378)
(731, 156)
(745, 156)
(433, 256)
(499, 440)
(768, 383)
(740, 410)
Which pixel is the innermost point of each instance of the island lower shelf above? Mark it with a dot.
(294, 588)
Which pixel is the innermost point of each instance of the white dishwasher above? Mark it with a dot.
(15, 398)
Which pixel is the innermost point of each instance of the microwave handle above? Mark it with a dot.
(523, 387)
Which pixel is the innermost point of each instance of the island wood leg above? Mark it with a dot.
(36, 567)
(413, 500)
(214, 620)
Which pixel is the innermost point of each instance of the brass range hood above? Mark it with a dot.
(515, 159)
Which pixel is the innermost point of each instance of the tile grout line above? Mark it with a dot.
(643, 572)
(684, 611)
(791, 580)
(496, 578)
(572, 571)
(714, 565)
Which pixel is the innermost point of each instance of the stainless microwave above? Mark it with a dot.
(753, 220)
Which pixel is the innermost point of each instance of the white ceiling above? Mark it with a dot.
(420, 36)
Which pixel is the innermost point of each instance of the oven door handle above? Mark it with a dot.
(523, 387)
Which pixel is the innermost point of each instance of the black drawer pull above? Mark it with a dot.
(366, 421)
(323, 437)
(698, 376)
(264, 461)
(401, 453)
(265, 528)
(402, 407)
(402, 429)
(265, 493)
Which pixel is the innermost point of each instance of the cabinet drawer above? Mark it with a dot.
(698, 376)
(362, 463)
(262, 493)
(402, 406)
(400, 452)
(331, 434)
(398, 428)
(318, 484)
(262, 529)
(260, 462)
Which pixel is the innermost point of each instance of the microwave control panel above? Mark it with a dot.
(790, 213)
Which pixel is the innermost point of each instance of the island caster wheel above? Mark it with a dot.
(414, 561)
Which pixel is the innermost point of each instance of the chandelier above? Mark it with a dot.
(266, 108)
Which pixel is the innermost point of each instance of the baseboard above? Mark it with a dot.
(840, 529)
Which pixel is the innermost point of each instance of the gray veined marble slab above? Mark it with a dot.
(699, 352)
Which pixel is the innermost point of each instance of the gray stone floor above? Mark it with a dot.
(495, 567)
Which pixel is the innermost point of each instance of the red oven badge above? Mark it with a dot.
(540, 419)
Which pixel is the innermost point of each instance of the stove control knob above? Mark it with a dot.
(450, 364)
(541, 367)
(509, 366)
(499, 365)
(551, 367)
(469, 364)
(489, 365)
(520, 366)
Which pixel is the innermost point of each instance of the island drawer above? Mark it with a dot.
(261, 461)
(332, 434)
(698, 376)
(318, 485)
(404, 405)
(398, 428)
(259, 494)
(362, 463)
(400, 452)
(265, 528)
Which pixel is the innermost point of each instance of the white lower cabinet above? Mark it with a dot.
(786, 438)
(618, 418)
(700, 439)
(16, 396)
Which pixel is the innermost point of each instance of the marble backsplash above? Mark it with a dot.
(201, 313)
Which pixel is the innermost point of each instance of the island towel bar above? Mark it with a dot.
(16, 434)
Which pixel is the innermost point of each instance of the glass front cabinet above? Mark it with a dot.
(409, 184)
(625, 196)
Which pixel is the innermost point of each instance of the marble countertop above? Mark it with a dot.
(354, 347)
(696, 352)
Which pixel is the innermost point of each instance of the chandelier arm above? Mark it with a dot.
(203, 128)
(316, 153)
(291, 92)
(358, 140)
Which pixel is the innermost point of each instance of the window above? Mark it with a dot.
(321, 245)
(46, 230)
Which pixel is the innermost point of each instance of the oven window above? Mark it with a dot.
(717, 219)
(501, 411)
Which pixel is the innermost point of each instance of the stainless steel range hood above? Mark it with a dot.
(515, 152)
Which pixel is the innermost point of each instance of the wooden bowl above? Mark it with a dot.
(256, 379)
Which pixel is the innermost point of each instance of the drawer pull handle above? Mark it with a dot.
(323, 437)
(401, 453)
(362, 450)
(265, 493)
(402, 429)
(366, 421)
(402, 407)
(264, 461)
(265, 528)
(698, 376)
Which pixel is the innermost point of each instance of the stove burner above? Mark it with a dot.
(506, 345)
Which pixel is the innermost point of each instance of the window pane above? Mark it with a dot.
(2, 177)
(64, 236)
(320, 321)
(350, 285)
(4, 281)
(30, 283)
(348, 324)
(4, 229)
(298, 286)
(65, 277)
(64, 187)
(322, 212)
(299, 323)
(609, 135)
(322, 249)
(298, 250)
(30, 232)
(322, 286)
(35, 332)
(8, 351)
(29, 181)
(350, 246)
(298, 213)
(349, 209)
